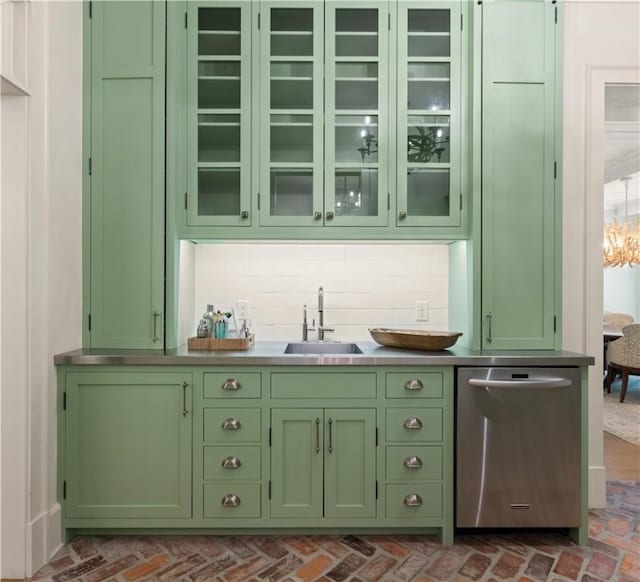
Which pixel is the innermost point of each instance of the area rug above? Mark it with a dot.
(623, 418)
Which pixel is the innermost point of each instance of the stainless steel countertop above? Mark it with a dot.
(272, 354)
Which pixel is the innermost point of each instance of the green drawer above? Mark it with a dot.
(232, 385)
(240, 463)
(323, 385)
(248, 421)
(247, 496)
(413, 463)
(411, 385)
(430, 499)
(429, 421)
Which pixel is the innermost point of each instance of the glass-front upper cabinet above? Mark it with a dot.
(356, 112)
(291, 113)
(219, 113)
(428, 122)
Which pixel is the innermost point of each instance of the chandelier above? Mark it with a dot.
(622, 240)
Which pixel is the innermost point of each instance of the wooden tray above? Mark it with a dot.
(226, 344)
(415, 339)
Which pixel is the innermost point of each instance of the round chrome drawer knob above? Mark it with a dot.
(231, 384)
(230, 424)
(412, 423)
(413, 384)
(230, 500)
(413, 462)
(413, 500)
(231, 463)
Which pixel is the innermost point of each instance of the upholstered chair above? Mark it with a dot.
(623, 357)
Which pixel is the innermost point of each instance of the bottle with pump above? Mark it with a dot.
(209, 315)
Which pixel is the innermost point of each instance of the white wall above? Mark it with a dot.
(601, 42)
(40, 278)
(365, 285)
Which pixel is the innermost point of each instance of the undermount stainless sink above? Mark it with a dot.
(322, 348)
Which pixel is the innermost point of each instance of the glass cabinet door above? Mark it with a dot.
(429, 164)
(356, 113)
(290, 102)
(219, 113)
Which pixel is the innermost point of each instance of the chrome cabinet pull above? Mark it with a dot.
(402, 214)
(317, 215)
(317, 435)
(155, 326)
(231, 463)
(330, 215)
(413, 500)
(230, 424)
(230, 500)
(413, 384)
(185, 410)
(412, 423)
(489, 326)
(330, 435)
(413, 462)
(231, 384)
(244, 214)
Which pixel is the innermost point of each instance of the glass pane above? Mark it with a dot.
(356, 86)
(357, 138)
(428, 192)
(356, 32)
(219, 93)
(218, 192)
(291, 192)
(218, 138)
(219, 69)
(220, 19)
(291, 32)
(429, 71)
(429, 21)
(291, 86)
(356, 46)
(356, 192)
(218, 43)
(356, 20)
(291, 138)
(428, 138)
(434, 94)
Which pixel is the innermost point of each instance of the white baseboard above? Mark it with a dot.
(597, 488)
(44, 539)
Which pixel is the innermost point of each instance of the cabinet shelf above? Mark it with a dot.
(220, 32)
(430, 79)
(214, 58)
(291, 124)
(347, 33)
(218, 124)
(291, 78)
(429, 34)
(358, 79)
(291, 33)
(217, 78)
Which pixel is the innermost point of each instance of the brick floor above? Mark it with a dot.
(613, 554)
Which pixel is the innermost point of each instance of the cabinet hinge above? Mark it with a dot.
(64, 490)
(269, 493)
(376, 436)
(258, 200)
(90, 9)
(258, 21)
(460, 201)
(389, 20)
(186, 200)
(388, 200)
(556, 15)
(89, 322)
(461, 25)
(555, 170)
(64, 400)
(376, 489)
(186, 19)
(90, 167)
(269, 437)
(555, 323)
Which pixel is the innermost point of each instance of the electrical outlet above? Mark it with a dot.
(422, 311)
(242, 310)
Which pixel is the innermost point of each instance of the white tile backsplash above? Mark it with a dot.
(366, 285)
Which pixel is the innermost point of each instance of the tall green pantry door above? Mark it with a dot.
(518, 182)
(126, 175)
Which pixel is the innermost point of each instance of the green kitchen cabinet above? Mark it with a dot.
(128, 445)
(219, 113)
(124, 175)
(429, 114)
(323, 463)
(518, 308)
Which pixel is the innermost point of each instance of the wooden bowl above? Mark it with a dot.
(415, 339)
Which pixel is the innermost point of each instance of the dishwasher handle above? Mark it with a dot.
(538, 382)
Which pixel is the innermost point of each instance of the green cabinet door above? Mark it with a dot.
(429, 98)
(219, 113)
(296, 462)
(518, 186)
(126, 175)
(350, 463)
(128, 445)
(356, 101)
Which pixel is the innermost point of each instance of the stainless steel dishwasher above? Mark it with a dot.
(518, 447)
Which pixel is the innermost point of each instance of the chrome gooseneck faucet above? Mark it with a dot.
(321, 328)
